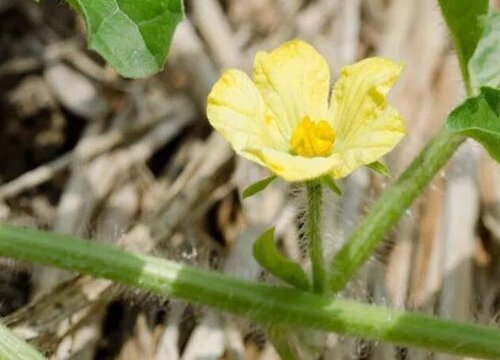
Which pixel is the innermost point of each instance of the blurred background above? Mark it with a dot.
(135, 164)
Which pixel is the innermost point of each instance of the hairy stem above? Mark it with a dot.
(389, 208)
(313, 234)
(266, 304)
(13, 348)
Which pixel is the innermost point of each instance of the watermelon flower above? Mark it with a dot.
(283, 119)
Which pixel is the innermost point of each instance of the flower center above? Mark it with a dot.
(312, 139)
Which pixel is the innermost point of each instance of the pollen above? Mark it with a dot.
(312, 139)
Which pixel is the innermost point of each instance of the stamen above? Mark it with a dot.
(312, 139)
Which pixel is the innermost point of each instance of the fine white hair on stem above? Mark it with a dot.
(331, 221)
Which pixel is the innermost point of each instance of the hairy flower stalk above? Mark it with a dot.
(313, 233)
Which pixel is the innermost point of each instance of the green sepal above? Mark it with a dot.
(379, 167)
(257, 187)
(330, 183)
(479, 118)
(273, 260)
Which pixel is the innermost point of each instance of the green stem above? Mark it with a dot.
(264, 303)
(13, 348)
(313, 234)
(389, 208)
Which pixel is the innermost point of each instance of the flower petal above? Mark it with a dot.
(294, 82)
(236, 110)
(366, 128)
(378, 138)
(295, 168)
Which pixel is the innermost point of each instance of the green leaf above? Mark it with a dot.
(463, 18)
(379, 167)
(479, 118)
(257, 187)
(273, 260)
(133, 36)
(330, 183)
(484, 66)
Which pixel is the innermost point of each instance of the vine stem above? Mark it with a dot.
(389, 208)
(313, 234)
(269, 305)
(13, 348)
(391, 205)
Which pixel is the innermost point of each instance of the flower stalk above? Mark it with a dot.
(263, 303)
(313, 234)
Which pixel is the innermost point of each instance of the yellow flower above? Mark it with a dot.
(284, 121)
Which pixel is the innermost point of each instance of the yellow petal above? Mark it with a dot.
(295, 168)
(294, 82)
(365, 127)
(379, 137)
(236, 110)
